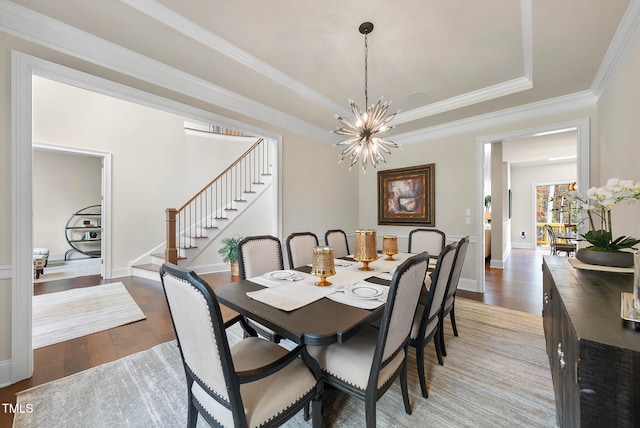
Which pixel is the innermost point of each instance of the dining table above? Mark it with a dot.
(289, 303)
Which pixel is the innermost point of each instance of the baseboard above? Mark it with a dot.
(468, 285)
(5, 373)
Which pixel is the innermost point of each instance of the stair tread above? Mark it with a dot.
(148, 266)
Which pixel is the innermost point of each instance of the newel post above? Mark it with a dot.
(171, 252)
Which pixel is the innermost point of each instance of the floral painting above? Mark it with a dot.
(407, 196)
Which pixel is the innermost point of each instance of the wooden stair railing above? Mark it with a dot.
(188, 223)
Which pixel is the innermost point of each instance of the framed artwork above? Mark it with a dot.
(406, 196)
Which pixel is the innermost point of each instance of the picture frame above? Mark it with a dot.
(406, 196)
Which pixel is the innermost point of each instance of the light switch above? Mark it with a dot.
(467, 212)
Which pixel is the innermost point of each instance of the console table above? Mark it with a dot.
(594, 355)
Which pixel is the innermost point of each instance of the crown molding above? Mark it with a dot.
(474, 97)
(40, 29)
(170, 18)
(553, 106)
(625, 38)
(45, 31)
(188, 28)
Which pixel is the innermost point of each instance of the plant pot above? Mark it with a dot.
(235, 269)
(605, 258)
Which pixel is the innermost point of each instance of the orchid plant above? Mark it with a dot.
(597, 205)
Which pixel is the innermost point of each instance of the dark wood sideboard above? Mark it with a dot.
(594, 354)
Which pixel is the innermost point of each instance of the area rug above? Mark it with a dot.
(496, 374)
(69, 269)
(78, 312)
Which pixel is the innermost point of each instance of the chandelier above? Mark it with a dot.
(363, 139)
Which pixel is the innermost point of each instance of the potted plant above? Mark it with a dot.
(597, 204)
(229, 253)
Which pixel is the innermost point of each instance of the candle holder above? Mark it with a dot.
(323, 265)
(366, 250)
(389, 246)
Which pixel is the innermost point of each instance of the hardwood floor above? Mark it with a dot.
(518, 286)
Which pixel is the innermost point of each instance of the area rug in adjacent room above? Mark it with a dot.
(78, 312)
(69, 269)
(496, 374)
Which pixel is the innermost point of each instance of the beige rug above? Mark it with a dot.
(496, 374)
(78, 312)
(69, 269)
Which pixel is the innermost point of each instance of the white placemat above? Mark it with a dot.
(267, 281)
(291, 295)
(343, 298)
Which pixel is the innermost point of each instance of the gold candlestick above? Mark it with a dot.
(322, 264)
(366, 250)
(389, 246)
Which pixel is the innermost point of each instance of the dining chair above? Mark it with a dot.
(337, 239)
(556, 246)
(258, 255)
(367, 364)
(448, 306)
(427, 318)
(300, 248)
(251, 383)
(429, 240)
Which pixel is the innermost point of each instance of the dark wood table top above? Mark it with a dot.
(322, 322)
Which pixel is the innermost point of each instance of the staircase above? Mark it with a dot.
(200, 221)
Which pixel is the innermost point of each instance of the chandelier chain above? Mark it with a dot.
(366, 72)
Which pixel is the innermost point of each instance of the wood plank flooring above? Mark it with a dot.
(518, 286)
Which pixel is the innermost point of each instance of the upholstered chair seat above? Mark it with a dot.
(252, 353)
(351, 361)
(368, 363)
(252, 383)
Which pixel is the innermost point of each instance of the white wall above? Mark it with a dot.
(455, 166)
(155, 165)
(618, 142)
(63, 183)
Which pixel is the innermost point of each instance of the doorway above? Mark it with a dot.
(498, 250)
(66, 180)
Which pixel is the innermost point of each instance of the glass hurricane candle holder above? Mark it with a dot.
(366, 248)
(323, 265)
(389, 246)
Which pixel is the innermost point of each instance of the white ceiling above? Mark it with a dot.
(305, 59)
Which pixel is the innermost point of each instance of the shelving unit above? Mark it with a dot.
(83, 232)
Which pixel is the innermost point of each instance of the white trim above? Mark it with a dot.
(29, 25)
(625, 39)
(45, 31)
(5, 373)
(470, 98)
(22, 209)
(537, 110)
(583, 142)
(190, 29)
(23, 68)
